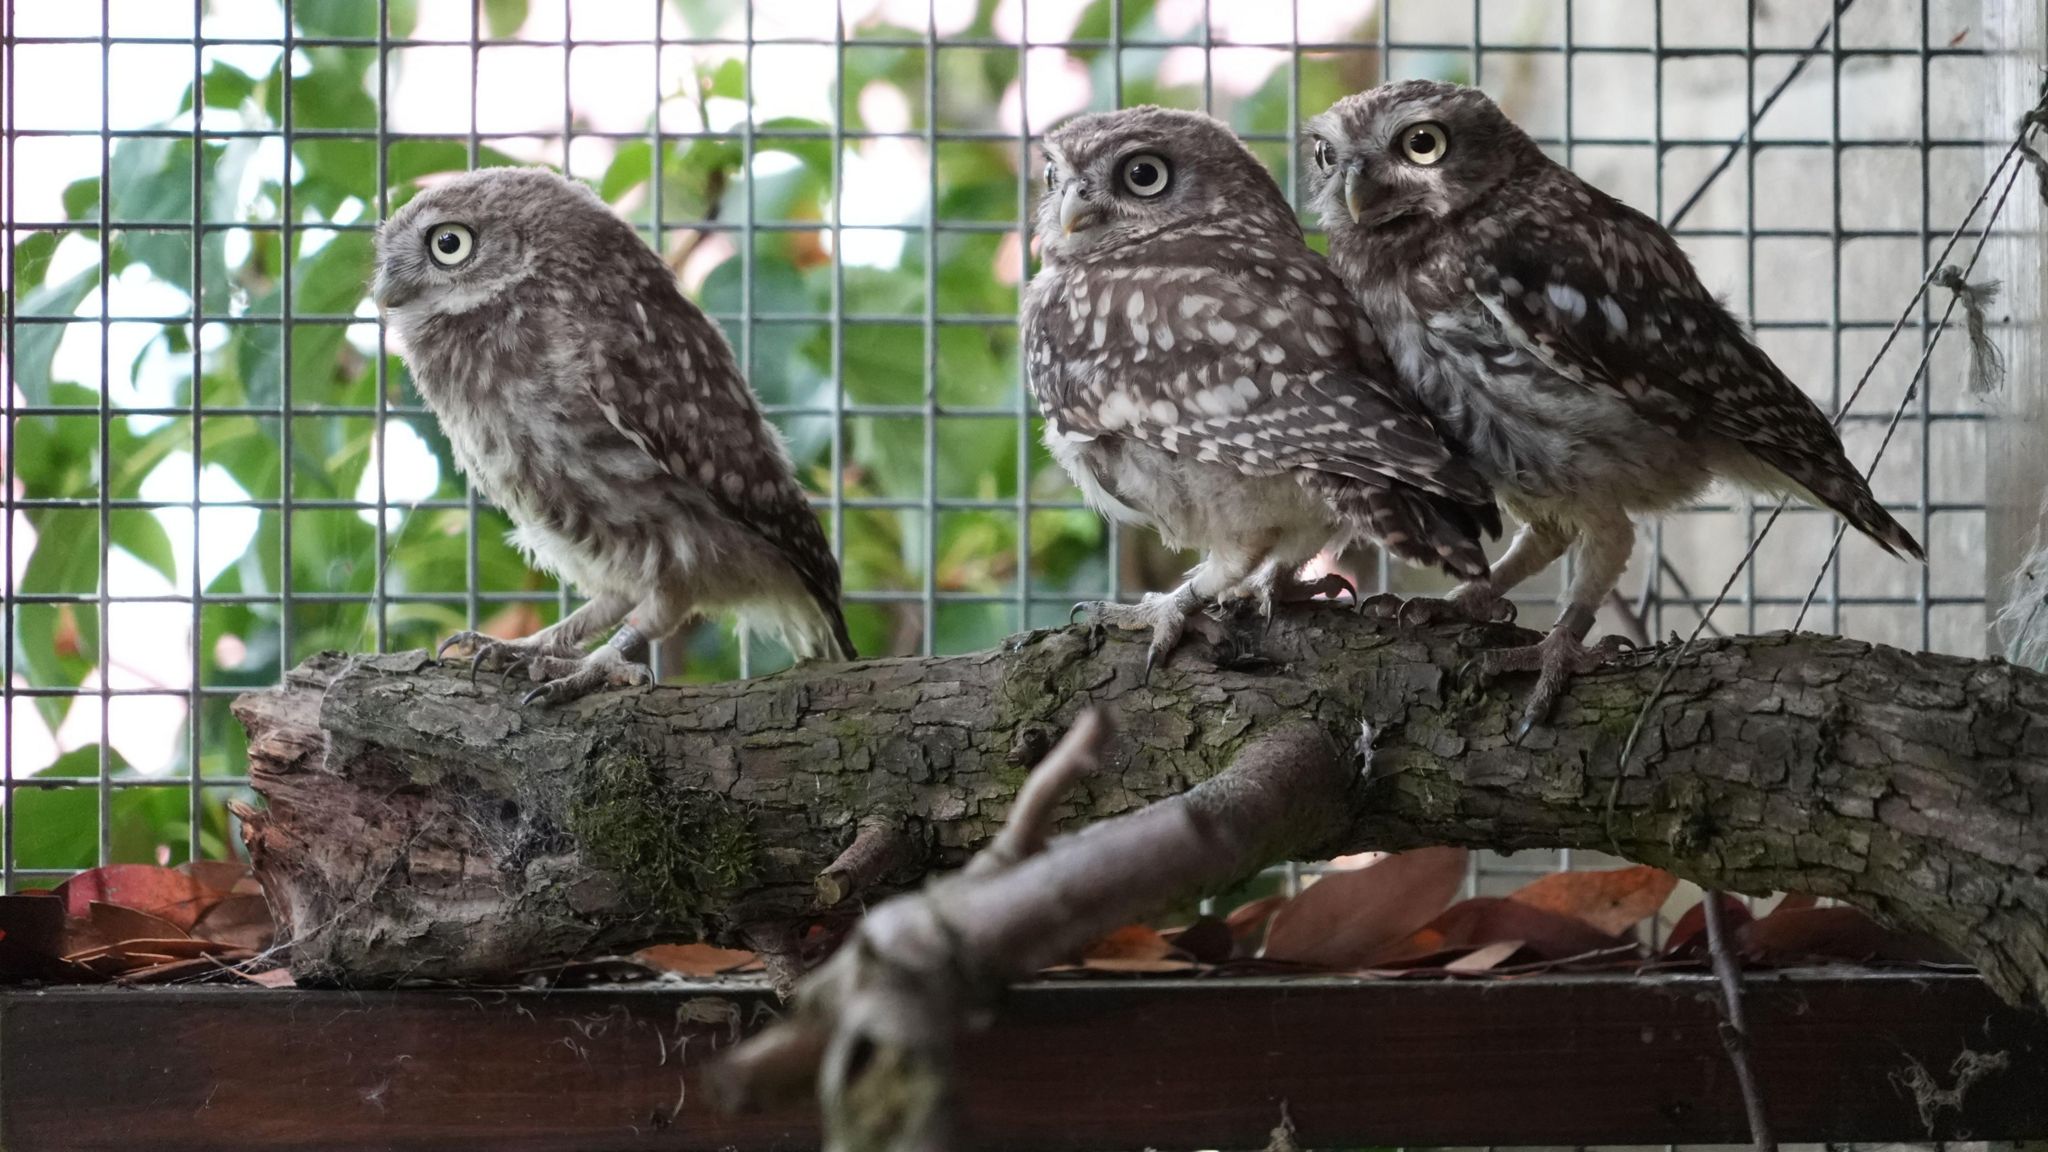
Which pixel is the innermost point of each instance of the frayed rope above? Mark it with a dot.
(1987, 363)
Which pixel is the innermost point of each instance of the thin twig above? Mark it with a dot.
(1734, 1032)
(1024, 834)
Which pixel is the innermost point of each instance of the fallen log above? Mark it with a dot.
(421, 827)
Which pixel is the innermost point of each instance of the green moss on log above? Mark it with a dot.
(678, 851)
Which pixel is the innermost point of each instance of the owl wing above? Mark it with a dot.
(1603, 295)
(1259, 362)
(662, 374)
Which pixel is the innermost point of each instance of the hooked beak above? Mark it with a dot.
(1076, 213)
(1354, 193)
(389, 294)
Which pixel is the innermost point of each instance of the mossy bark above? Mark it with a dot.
(421, 827)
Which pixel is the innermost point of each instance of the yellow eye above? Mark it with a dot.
(450, 244)
(1424, 144)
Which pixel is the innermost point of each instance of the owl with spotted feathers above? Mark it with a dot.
(1565, 343)
(603, 412)
(1202, 373)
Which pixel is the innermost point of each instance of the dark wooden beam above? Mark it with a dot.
(1096, 1065)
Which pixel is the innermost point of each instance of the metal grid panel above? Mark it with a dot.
(1865, 149)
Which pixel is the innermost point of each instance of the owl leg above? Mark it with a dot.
(1602, 557)
(562, 639)
(1535, 547)
(620, 661)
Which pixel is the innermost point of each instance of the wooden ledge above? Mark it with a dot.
(1070, 1065)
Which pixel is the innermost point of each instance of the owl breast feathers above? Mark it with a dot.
(588, 398)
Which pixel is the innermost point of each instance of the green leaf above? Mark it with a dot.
(336, 18)
(82, 199)
(332, 281)
(225, 86)
(504, 17)
(32, 259)
(35, 345)
(729, 81)
(630, 168)
(142, 536)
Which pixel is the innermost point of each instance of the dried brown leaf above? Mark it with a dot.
(1131, 942)
(1689, 936)
(1142, 965)
(162, 892)
(1611, 901)
(110, 924)
(1485, 920)
(695, 959)
(241, 919)
(1247, 922)
(1789, 937)
(1486, 958)
(223, 876)
(1345, 918)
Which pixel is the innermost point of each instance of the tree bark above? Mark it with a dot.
(420, 827)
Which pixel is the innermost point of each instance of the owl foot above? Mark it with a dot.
(1164, 614)
(1555, 659)
(574, 678)
(506, 656)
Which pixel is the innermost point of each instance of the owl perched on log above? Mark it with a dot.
(1202, 372)
(585, 396)
(1565, 343)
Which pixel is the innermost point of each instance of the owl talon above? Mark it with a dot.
(1555, 659)
(567, 680)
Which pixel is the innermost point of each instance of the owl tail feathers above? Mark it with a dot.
(1837, 486)
(1419, 527)
(812, 629)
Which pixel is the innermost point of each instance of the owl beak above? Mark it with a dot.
(390, 294)
(1354, 193)
(1076, 213)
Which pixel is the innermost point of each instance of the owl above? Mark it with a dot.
(588, 399)
(1203, 374)
(1565, 343)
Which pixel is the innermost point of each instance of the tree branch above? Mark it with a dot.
(419, 826)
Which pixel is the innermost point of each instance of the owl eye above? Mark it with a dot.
(1325, 155)
(1424, 144)
(450, 244)
(1146, 175)
(1052, 175)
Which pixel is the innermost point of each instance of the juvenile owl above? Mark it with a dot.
(585, 396)
(1202, 373)
(1566, 344)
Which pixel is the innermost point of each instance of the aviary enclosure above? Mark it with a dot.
(275, 877)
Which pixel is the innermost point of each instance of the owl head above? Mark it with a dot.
(1114, 178)
(1406, 156)
(461, 245)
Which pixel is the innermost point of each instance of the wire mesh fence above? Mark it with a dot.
(217, 466)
